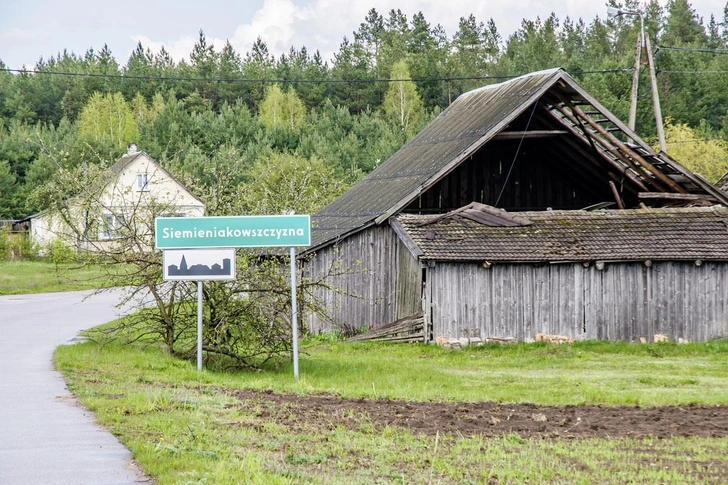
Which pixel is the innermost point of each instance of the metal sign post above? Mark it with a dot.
(200, 265)
(199, 325)
(187, 238)
(294, 309)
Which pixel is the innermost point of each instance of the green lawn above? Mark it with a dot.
(22, 277)
(185, 427)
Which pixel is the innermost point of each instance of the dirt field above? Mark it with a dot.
(490, 419)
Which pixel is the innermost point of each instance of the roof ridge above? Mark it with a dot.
(501, 84)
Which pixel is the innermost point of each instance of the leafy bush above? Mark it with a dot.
(58, 252)
(14, 245)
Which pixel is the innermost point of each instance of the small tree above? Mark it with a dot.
(8, 189)
(402, 102)
(108, 119)
(280, 108)
(120, 239)
(283, 183)
(14, 245)
(246, 321)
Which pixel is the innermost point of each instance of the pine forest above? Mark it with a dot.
(254, 133)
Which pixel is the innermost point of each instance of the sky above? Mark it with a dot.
(31, 29)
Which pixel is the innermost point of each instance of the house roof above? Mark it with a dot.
(130, 156)
(125, 160)
(558, 236)
(587, 137)
(117, 168)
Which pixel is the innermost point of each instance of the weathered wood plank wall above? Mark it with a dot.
(535, 182)
(625, 301)
(409, 283)
(367, 289)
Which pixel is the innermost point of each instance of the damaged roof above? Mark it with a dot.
(722, 184)
(693, 233)
(588, 137)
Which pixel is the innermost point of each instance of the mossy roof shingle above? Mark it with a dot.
(559, 236)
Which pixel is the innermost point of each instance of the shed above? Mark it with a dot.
(538, 143)
(604, 274)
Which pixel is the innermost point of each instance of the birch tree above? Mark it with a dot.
(108, 119)
(402, 101)
(280, 108)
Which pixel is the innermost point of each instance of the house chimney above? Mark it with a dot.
(131, 149)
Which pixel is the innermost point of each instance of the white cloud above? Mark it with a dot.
(274, 23)
(282, 24)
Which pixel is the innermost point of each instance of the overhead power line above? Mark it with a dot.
(280, 81)
(661, 71)
(692, 49)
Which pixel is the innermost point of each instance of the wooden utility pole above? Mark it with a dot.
(635, 83)
(655, 97)
(642, 41)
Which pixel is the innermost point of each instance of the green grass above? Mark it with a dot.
(23, 277)
(183, 428)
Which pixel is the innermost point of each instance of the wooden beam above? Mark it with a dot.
(630, 174)
(605, 146)
(411, 246)
(624, 148)
(516, 135)
(655, 95)
(593, 169)
(615, 192)
(672, 196)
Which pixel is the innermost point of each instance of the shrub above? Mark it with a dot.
(14, 245)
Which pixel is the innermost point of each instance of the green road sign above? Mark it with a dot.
(232, 232)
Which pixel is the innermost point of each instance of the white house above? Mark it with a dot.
(138, 190)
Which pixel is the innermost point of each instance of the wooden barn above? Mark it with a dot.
(526, 207)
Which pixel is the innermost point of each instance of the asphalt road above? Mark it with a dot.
(45, 437)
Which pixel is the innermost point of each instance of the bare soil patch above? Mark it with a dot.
(488, 419)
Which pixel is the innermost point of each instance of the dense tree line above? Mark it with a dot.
(222, 119)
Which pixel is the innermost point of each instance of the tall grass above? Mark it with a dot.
(23, 276)
(184, 427)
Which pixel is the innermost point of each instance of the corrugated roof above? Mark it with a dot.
(475, 118)
(558, 236)
(457, 129)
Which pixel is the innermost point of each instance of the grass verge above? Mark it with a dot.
(23, 277)
(184, 427)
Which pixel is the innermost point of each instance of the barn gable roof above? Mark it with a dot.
(559, 236)
(585, 134)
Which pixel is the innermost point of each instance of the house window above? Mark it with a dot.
(110, 226)
(142, 181)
